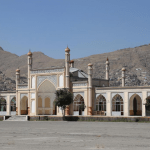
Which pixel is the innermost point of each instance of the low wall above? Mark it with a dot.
(1, 118)
(87, 118)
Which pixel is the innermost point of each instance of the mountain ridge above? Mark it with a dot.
(136, 60)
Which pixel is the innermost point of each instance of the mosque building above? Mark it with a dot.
(38, 96)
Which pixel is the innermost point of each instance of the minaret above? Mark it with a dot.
(90, 71)
(123, 77)
(67, 60)
(107, 69)
(29, 66)
(17, 77)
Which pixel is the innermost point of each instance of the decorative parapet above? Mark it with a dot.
(22, 87)
(80, 84)
(46, 71)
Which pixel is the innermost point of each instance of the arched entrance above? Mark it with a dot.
(46, 97)
(147, 106)
(101, 105)
(117, 106)
(78, 105)
(24, 105)
(135, 105)
(13, 106)
(3, 108)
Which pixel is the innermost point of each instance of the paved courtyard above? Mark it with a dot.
(50, 135)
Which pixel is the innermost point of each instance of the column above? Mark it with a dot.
(126, 104)
(144, 94)
(109, 107)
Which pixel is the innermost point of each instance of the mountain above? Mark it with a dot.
(136, 61)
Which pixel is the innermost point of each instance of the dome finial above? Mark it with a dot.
(67, 49)
(29, 53)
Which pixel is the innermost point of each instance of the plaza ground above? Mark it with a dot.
(59, 135)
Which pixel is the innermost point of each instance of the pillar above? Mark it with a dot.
(17, 77)
(107, 69)
(29, 82)
(67, 60)
(8, 105)
(72, 64)
(19, 99)
(123, 77)
(109, 104)
(144, 94)
(90, 71)
(126, 104)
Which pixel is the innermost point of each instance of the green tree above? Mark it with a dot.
(63, 98)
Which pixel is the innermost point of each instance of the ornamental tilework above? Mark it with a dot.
(81, 93)
(47, 71)
(52, 78)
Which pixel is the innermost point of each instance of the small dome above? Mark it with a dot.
(67, 49)
(29, 53)
(90, 64)
(18, 70)
(123, 69)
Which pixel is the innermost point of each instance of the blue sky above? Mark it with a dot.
(87, 26)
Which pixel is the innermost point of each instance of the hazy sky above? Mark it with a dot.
(87, 26)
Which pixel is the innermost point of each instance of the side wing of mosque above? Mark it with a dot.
(38, 96)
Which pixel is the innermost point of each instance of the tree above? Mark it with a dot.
(63, 98)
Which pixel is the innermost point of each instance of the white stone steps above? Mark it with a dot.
(17, 118)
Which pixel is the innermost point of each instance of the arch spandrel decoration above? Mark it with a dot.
(114, 94)
(52, 78)
(98, 94)
(22, 95)
(131, 94)
(80, 93)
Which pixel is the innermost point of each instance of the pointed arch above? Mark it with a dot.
(3, 104)
(117, 105)
(46, 83)
(147, 107)
(135, 105)
(77, 103)
(13, 104)
(100, 103)
(46, 94)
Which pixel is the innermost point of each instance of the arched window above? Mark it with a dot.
(13, 104)
(100, 103)
(78, 101)
(39, 102)
(117, 104)
(47, 102)
(2, 104)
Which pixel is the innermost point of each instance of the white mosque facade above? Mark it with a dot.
(38, 96)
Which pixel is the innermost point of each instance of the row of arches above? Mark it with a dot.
(3, 104)
(135, 105)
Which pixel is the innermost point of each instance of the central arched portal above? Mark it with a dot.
(46, 97)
